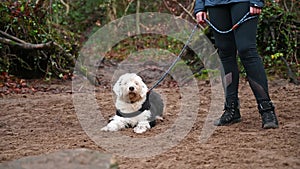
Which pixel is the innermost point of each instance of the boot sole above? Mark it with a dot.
(270, 126)
(227, 124)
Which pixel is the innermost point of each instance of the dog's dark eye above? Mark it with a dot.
(136, 83)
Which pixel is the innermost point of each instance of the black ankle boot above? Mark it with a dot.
(268, 116)
(231, 114)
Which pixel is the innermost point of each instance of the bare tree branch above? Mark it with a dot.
(71, 58)
(66, 5)
(127, 7)
(186, 11)
(189, 13)
(12, 37)
(25, 45)
(138, 17)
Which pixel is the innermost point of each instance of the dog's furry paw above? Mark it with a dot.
(142, 127)
(109, 128)
(139, 130)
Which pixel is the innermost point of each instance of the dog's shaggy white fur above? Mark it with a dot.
(131, 93)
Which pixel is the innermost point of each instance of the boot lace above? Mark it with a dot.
(268, 117)
(228, 114)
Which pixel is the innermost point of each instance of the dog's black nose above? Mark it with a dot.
(131, 88)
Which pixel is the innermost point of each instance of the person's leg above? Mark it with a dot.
(245, 37)
(220, 16)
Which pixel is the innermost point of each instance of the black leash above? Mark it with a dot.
(175, 61)
(245, 18)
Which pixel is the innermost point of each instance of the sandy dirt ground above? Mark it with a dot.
(44, 122)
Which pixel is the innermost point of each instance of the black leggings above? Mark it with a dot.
(243, 42)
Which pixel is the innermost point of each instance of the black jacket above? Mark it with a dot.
(200, 5)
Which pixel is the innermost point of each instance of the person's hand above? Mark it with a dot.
(255, 10)
(200, 16)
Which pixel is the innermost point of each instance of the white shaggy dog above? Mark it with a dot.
(135, 106)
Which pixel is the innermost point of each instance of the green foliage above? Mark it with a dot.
(207, 73)
(83, 15)
(278, 38)
(33, 23)
(66, 24)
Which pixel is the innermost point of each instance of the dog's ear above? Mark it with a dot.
(144, 87)
(117, 87)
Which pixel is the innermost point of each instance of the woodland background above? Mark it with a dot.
(42, 38)
(40, 41)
